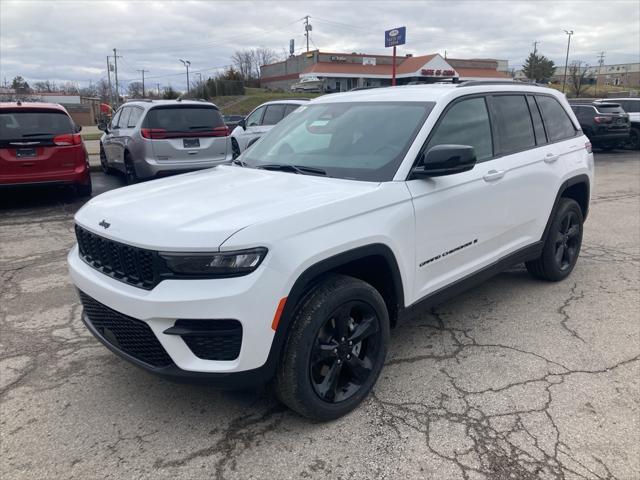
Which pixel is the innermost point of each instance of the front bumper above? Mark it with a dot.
(251, 299)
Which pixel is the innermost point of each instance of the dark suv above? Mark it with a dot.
(606, 124)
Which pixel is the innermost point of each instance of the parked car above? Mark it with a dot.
(293, 264)
(260, 121)
(309, 85)
(232, 121)
(605, 124)
(153, 138)
(632, 107)
(41, 145)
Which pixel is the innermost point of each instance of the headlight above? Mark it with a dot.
(220, 264)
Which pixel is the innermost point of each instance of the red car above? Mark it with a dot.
(40, 145)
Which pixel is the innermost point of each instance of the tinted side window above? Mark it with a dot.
(255, 118)
(513, 123)
(290, 108)
(556, 121)
(136, 113)
(466, 123)
(273, 115)
(538, 127)
(116, 119)
(631, 106)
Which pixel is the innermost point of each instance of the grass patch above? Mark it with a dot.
(91, 136)
(242, 105)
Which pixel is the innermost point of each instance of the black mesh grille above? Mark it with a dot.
(127, 334)
(218, 339)
(131, 265)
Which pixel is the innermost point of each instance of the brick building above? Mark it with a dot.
(341, 72)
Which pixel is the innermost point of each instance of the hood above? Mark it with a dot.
(200, 210)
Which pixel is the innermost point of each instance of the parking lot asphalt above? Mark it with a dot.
(515, 379)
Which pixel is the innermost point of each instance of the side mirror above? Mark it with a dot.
(102, 126)
(445, 160)
(78, 128)
(243, 123)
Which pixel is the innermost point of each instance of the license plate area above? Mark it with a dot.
(191, 142)
(26, 152)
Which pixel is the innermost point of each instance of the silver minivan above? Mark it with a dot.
(153, 138)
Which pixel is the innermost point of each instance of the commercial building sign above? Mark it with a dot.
(395, 36)
(429, 72)
(368, 60)
(335, 58)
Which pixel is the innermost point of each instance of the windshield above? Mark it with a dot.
(16, 125)
(355, 140)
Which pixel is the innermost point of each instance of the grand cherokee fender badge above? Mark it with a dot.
(104, 224)
(449, 252)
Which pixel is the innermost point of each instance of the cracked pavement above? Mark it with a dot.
(515, 379)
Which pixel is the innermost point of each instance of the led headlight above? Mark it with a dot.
(240, 262)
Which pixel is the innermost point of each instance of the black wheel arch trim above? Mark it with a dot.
(578, 179)
(311, 276)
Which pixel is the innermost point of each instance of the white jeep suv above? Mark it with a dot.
(291, 265)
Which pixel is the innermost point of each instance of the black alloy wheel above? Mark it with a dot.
(130, 176)
(345, 350)
(235, 149)
(104, 165)
(568, 240)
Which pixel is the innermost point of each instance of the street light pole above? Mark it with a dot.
(566, 60)
(186, 63)
(200, 85)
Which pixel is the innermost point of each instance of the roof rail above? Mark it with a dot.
(138, 100)
(293, 98)
(473, 83)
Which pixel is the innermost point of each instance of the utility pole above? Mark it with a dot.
(566, 60)
(600, 63)
(110, 100)
(200, 85)
(307, 29)
(186, 63)
(143, 72)
(158, 85)
(115, 61)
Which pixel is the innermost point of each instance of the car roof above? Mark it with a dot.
(618, 99)
(290, 101)
(32, 106)
(431, 92)
(148, 103)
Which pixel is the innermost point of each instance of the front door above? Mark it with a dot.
(460, 219)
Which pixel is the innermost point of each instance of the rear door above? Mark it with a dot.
(532, 168)
(35, 143)
(193, 133)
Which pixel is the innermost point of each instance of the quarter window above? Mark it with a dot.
(556, 121)
(513, 123)
(124, 117)
(466, 123)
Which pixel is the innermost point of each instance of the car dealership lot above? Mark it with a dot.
(514, 379)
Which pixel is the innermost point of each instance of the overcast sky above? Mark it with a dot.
(69, 40)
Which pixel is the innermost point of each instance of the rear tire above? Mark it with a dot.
(562, 246)
(335, 349)
(104, 163)
(130, 175)
(84, 190)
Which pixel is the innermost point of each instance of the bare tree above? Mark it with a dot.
(244, 61)
(577, 77)
(45, 87)
(134, 89)
(70, 88)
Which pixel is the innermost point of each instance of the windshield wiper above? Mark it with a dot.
(293, 169)
(237, 161)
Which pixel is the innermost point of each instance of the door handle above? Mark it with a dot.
(493, 175)
(550, 158)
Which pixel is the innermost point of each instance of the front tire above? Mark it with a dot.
(104, 163)
(335, 350)
(235, 149)
(562, 246)
(633, 142)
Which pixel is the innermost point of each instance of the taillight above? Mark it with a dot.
(152, 133)
(67, 139)
(602, 119)
(221, 131)
(587, 145)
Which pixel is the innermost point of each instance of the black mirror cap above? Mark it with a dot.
(78, 128)
(445, 160)
(243, 123)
